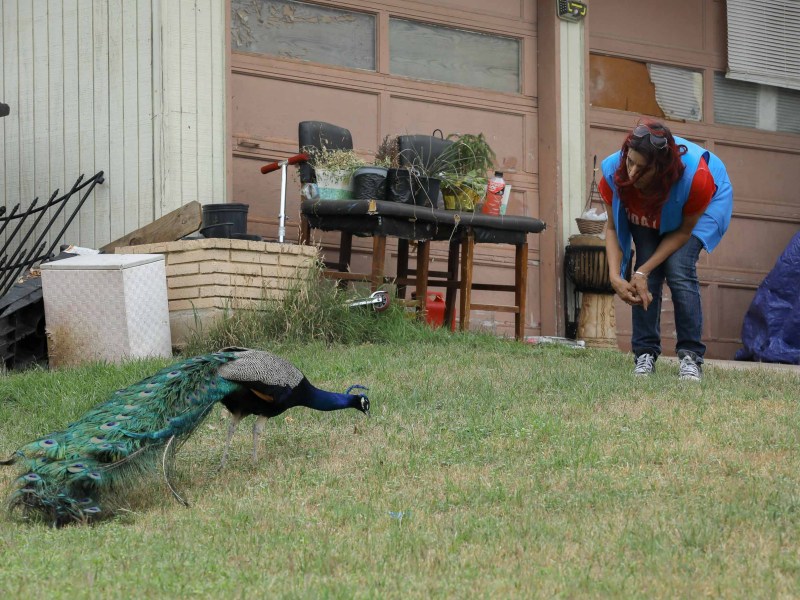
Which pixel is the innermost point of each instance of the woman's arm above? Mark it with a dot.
(614, 256)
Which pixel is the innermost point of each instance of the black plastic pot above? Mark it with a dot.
(398, 186)
(232, 214)
(369, 183)
(425, 191)
(217, 230)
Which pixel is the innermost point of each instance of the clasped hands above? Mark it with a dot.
(634, 292)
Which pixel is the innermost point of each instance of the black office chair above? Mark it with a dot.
(318, 134)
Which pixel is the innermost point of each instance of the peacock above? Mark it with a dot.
(80, 474)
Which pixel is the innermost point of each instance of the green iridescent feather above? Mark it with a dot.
(74, 474)
(80, 473)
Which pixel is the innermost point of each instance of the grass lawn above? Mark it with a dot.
(489, 469)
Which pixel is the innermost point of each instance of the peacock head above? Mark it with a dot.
(359, 401)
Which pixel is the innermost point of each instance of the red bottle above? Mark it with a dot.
(494, 195)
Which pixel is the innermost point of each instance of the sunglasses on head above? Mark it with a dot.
(659, 142)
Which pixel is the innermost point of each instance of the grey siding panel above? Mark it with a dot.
(89, 84)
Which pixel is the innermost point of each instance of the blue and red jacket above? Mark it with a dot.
(713, 222)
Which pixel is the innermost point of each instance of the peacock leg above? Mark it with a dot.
(258, 429)
(235, 419)
(166, 465)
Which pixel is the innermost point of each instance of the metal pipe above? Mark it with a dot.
(282, 214)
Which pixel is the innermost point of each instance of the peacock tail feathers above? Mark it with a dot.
(76, 474)
(81, 473)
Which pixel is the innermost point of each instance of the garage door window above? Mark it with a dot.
(304, 31)
(753, 105)
(645, 88)
(450, 55)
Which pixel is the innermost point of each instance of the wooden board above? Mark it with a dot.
(172, 226)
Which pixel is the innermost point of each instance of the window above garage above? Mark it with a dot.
(304, 31)
(450, 55)
(753, 105)
(334, 36)
(645, 88)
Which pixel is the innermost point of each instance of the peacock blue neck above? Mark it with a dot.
(322, 400)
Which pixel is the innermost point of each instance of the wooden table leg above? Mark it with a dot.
(423, 259)
(305, 230)
(452, 275)
(378, 261)
(345, 251)
(520, 288)
(467, 254)
(402, 266)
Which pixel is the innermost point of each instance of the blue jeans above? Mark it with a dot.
(680, 271)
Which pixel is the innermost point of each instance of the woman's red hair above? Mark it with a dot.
(666, 162)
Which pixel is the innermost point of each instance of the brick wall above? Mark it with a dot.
(209, 276)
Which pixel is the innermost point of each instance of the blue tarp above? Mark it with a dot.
(771, 328)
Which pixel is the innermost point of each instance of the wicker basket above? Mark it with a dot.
(590, 226)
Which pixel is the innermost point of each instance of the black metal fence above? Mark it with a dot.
(26, 232)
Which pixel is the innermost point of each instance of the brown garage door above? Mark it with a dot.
(387, 68)
(676, 70)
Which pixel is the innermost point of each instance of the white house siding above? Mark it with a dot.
(134, 88)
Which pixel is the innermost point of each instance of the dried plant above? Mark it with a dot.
(388, 154)
(333, 159)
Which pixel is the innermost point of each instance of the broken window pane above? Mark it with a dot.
(679, 92)
(292, 29)
(645, 88)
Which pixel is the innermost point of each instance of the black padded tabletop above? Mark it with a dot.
(407, 221)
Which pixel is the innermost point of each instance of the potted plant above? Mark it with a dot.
(398, 179)
(418, 182)
(369, 182)
(465, 166)
(333, 168)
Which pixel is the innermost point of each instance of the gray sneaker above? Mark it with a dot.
(645, 365)
(690, 370)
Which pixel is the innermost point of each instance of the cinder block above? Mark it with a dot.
(221, 266)
(201, 281)
(246, 281)
(154, 248)
(193, 303)
(249, 257)
(199, 255)
(182, 293)
(182, 269)
(293, 260)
